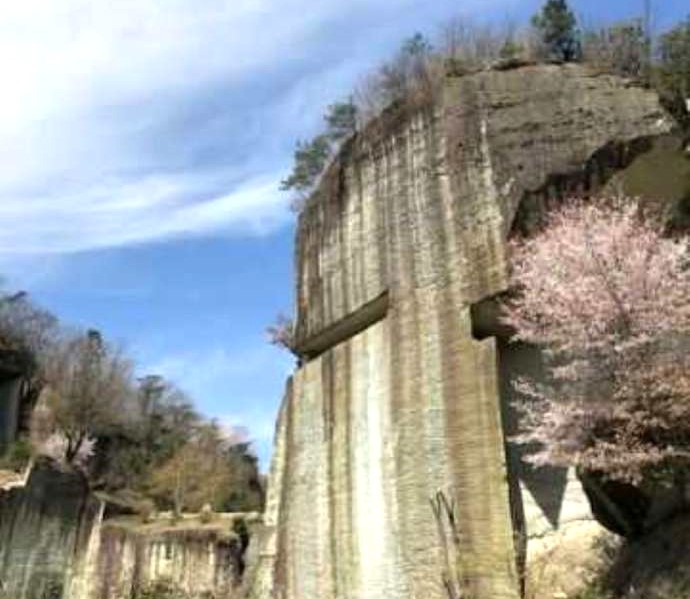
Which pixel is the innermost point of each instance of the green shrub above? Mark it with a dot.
(18, 455)
(54, 591)
(240, 528)
(206, 514)
(161, 589)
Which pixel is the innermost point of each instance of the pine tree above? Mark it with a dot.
(341, 120)
(557, 27)
(310, 160)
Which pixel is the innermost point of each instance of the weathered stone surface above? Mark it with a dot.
(417, 209)
(201, 562)
(54, 544)
(43, 527)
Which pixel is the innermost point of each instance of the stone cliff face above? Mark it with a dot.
(55, 544)
(401, 390)
(405, 386)
(201, 561)
(43, 528)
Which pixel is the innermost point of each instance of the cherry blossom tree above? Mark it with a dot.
(607, 296)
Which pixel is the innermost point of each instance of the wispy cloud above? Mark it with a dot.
(136, 121)
(201, 369)
(140, 120)
(135, 211)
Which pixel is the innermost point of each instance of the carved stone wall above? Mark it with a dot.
(397, 399)
(43, 529)
(199, 561)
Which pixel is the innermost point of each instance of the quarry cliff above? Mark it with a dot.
(59, 540)
(392, 475)
(404, 388)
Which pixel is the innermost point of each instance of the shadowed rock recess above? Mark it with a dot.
(396, 398)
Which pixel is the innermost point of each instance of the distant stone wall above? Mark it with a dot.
(407, 401)
(200, 562)
(43, 528)
(54, 544)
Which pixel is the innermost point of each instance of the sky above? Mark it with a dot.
(142, 143)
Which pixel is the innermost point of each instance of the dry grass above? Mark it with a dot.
(221, 526)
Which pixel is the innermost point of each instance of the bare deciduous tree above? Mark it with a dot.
(27, 332)
(198, 473)
(25, 327)
(474, 46)
(410, 78)
(89, 388)
(621, 49)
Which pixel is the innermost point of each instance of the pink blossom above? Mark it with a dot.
(606, 295)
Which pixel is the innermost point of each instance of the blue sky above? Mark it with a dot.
(141, 147)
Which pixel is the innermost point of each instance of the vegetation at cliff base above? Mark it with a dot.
(83, 407)
(161, 590)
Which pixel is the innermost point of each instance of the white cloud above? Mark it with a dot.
(135, 211)
(91, 92)
(202, 369)
(137, 120)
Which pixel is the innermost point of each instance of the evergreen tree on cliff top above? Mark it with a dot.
(341, 120)
(557, 28)
(310, 160)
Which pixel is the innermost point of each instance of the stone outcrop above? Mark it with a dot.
(55, 544)
(402, 393)
(43, 527)
(126, 556)
(403, 399)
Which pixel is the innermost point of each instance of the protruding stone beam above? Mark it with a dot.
(354, 323)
